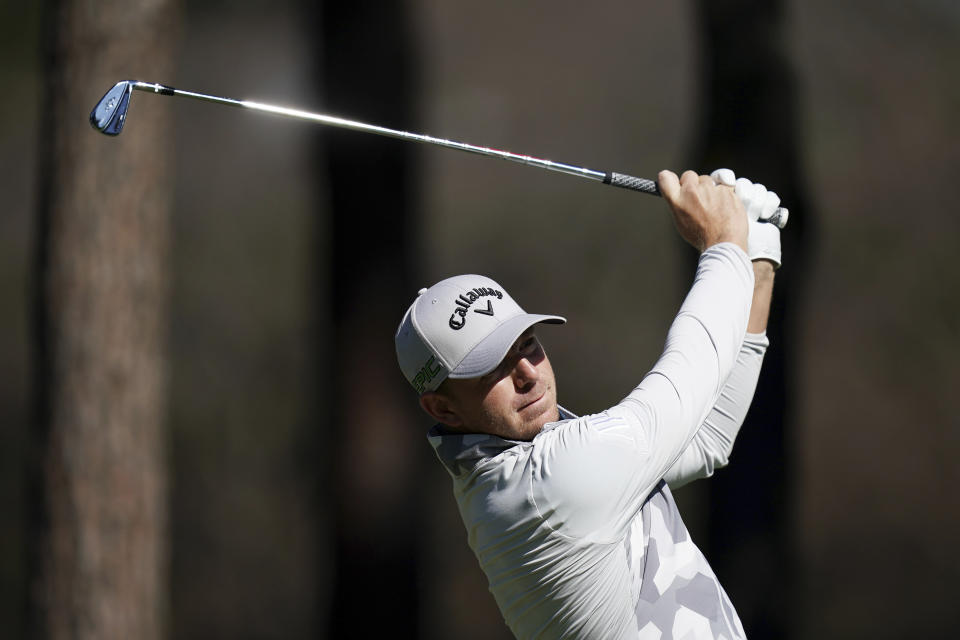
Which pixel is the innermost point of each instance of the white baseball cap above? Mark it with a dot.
(461, 327)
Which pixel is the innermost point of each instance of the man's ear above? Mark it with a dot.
(440, 409)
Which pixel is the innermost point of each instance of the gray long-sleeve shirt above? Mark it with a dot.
(577, 530)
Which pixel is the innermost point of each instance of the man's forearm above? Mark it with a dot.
(712, 445)
(667, 408)
(762, 294)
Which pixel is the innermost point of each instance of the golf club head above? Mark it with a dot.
(109, 114)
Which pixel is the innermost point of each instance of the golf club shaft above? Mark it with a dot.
(620, 180)
(606, 177)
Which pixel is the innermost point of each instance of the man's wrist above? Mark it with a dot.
(763, 274)
(763, 271)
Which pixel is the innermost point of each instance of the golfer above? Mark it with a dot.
(572, 518)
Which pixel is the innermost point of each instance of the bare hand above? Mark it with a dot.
(705, 213)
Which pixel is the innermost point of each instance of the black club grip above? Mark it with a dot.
(630, 182)
(778, 218)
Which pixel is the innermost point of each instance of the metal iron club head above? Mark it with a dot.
(110, 112)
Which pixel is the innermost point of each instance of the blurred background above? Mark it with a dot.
(204, 432)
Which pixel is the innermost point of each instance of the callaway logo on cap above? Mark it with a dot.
(461, 327)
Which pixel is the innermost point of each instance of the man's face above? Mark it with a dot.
(513, 401)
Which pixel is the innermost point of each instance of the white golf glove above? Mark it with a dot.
(763, 242)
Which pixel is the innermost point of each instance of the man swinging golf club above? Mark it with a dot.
(571, 518)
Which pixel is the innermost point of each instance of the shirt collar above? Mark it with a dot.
(460, 452)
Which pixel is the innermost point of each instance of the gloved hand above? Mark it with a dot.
(763, 243)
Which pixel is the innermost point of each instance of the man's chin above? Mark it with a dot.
(549, 413)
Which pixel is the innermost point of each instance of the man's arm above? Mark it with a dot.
(763, 271)
(711, 447)
(707, 366)
(690, 378)
(602, 467)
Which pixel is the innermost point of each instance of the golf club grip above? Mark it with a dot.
(630, 182)
(778, 218)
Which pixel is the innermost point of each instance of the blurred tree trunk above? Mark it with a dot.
(97, 458)
(748, 122)
(367, 71)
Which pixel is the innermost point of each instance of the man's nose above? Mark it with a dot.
(524, 373)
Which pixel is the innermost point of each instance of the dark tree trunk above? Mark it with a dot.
(367, 71)
(749, 123)
(98, 478)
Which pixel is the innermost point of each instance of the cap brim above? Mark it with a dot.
(489, 353)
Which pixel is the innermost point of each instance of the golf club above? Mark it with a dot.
(110, 113)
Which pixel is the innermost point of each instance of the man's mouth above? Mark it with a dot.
(533, 402)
